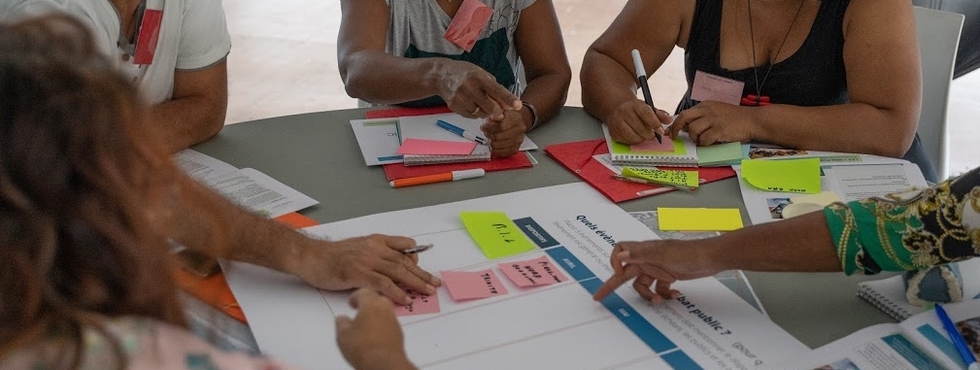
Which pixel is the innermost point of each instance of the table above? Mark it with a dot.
(318, 155)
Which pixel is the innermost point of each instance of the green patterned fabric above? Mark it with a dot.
(909, 231)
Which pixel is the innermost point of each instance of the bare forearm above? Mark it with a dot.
(801, 244)
(205, 221)
(187, 121)
(854, 127)
(605, 85)
(546, 95)
(377, 77)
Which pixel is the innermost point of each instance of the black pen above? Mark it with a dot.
(417, 249)
(641, 77)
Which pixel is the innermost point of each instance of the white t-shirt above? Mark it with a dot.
(193, 36)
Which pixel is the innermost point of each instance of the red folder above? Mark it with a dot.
(395, 171)
(405, 112)
(577, 157)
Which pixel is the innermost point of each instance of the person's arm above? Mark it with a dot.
(542, 51)
(883, 85)
(199, 218)
(608, 77)
(372, 75)
(373, 339)
(196, 112)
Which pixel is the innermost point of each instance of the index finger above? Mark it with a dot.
(682, 120)
(506, 99)
(610, 286)
(399, 243)
(362, 296)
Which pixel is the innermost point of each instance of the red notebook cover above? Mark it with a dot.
(405, 112)
(577, 157)
(395, 171)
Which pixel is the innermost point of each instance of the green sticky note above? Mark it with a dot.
(668, 177)
(699, 219)
(783, 175)
(495, 234)
(620, 148)
(720, 154)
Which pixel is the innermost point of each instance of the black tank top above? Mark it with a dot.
(813, 76)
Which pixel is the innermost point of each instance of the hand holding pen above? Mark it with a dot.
(636, 121)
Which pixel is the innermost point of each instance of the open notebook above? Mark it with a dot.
(677, 152)
(889, 294)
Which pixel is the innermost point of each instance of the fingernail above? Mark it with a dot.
(624, 255)
(675, 295)
(429, 289)
(436, 281)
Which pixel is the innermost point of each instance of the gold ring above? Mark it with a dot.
(475, 111)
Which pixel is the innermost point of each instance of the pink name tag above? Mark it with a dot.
(469, 22)
(708, 87)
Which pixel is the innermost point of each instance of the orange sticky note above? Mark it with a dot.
(421, 304)
(539, 271)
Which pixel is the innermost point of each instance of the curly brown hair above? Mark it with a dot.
(76, 178)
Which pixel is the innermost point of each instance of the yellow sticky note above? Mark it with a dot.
(823, 199)
(783, 175)
(699, 219)
(495, 234)
(668, 177)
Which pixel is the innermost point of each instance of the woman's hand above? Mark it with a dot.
(472, 92)
(712, 122)
(507, 134)
(657, 264)
(373, 339)
(634, 122)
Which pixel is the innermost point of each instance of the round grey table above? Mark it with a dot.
(318, 155)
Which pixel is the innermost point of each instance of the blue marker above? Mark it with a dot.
(958, 342)
(461, 132)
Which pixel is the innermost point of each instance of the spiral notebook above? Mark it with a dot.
(889, 294)
(424, 127)
(676, 152)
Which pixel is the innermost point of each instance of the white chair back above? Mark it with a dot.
(938, 34)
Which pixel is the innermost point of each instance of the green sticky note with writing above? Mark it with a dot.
(687, 179)
(783, 175)
(495, 234)
(699, 219)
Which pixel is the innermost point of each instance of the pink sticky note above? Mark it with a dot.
(421, 304)
(708, 87)
(422, 146)
(464, 285)
(536, 272)
(469, 22)
(653, 146)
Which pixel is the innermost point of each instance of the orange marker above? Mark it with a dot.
(442, 177)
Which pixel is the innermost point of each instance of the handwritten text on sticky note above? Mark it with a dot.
(496, 234)
(669, 177)
(699, 219)
(539, 271)
(421, 304)
(783, 175)
(465, 285)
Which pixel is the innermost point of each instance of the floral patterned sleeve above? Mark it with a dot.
(909, 231)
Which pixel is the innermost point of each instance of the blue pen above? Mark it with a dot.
(958, 341)
(461, 132)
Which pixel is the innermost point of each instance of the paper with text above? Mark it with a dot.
(536, 272)
(495, 233)
(378, 139)
(464, 285)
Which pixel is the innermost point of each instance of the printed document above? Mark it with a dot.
(850, 181)
(919, 343)
(248, 188)
(557, 324)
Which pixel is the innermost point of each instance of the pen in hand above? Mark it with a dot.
(957, 339)
(417, 249)
(641, 77)
(462, 132)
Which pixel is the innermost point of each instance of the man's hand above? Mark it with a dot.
(373, 339)
(634, 122)
(507, 134)
(373, 261)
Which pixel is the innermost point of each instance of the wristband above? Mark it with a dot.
(534, 114)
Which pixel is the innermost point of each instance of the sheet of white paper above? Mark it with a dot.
(378, 140)
(200, 166)
(558, 322)
(852, 181)
(259, 193)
